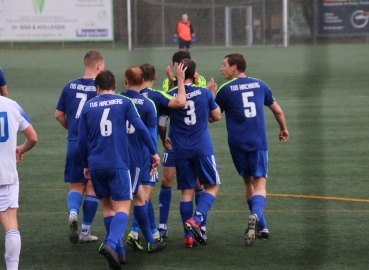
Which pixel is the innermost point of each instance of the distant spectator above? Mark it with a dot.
(184, 33)
(3, 88)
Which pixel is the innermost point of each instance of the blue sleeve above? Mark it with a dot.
(219, 100)
(212, 104)
(269, 99)
(2, 78)
(61, 103)
(143, 134)
(154, 136)
(83, 138)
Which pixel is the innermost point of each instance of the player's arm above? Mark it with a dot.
(168, 83)
(3, 91)
(179, 102)
(29, 143)
(214, 115)
(279, 116)
(62, 118)
(83, 139)
(163, 132)
(212, 86)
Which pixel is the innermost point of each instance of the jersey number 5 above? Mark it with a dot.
(106, 126)
(250, 109)
(191, 119)
(4, 130)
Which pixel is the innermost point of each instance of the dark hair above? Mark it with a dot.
(134, 75)
(238, 60)
(191, 68)
(148, 72)
(179, 56)
(92, 58)
(105, 80)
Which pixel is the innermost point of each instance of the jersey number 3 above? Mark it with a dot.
(250, 109)
(191, 119)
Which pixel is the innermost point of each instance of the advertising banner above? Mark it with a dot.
(343, 17)
(56, 20)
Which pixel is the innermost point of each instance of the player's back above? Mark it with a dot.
(243, 100)
(189, 126)
(104, 118)
(74, 96)
(12, 120)
(146, 108)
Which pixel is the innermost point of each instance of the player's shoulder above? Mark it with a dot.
(172, 91)
(225, 86)
(260, 82)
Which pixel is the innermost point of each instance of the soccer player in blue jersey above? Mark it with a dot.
(194, 153)
(68, 110)
(103, 145)
(12, 120)
(140, 163)
(161, 99)
(243, 99)
(168, 163)
(3, 88)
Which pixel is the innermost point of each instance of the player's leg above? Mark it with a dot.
(165, 194)
(90, 205)
(198, 191)
(149, 187)
(258, 161)
(207, 172)
(9, 222)
(181, 44)
(73, 174)
(188, 46)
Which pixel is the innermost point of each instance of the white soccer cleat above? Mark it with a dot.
(73, 229)
(87, 238)
(250, 234)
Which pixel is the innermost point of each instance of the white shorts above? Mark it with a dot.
(9, 195)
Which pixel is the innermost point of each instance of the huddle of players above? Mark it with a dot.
(125, 127)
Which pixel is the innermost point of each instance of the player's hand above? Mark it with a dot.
(153, 171)
(168, 143)
(155, 160)
(283, 135)
(193, 39)
(180, 72)
(18, 155)
(212, 86)
(86, 173)
(169, 73)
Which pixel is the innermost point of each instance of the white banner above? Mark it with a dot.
(56, 20)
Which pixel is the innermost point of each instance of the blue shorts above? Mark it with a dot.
(112, 182)
(168, 158)
(253, 163)
(151, 182)
(204, 168)
(73, 171)
(137, 175)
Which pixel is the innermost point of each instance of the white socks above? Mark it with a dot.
(12, 249)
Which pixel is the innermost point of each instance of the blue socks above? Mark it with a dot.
(74, 201)
(165, 197)
(151, 214)
(142, 219)
(107, 222)
(198, 193)
(117, 228)
(186, 210)
(90, 205)
(258, 205)
(204, 205)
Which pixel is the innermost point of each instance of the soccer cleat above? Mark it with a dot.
(73, 229)
(263, 234)
(158, 238)
(100, 247)
(189, 242)
(122, 259)
(87, 238)
(191, 226)
(250, 234)
(204, 234)
(163, 233)
(111, 256)
(157, 246)
(134, 243)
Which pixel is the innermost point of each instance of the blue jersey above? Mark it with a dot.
(189, 126)
(102, 133)
(2, 78)
(138, 152)
(160, 98)
(243, 101)
(72, 99)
